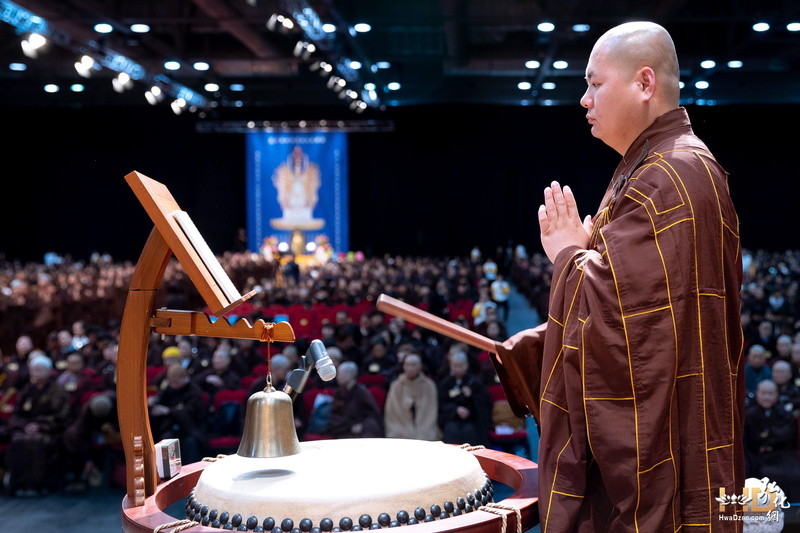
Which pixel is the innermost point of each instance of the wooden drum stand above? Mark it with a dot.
(147, 496)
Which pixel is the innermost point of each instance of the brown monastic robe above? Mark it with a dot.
(636, 379)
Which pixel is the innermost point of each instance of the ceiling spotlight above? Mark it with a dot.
(85, 66)
(122, 82)
(279, 23)
(524, 86)
(362, 27)
(172, 65)
(333, 82)
(51, 88)
(211, 87)
(77, 87)
(103, 27)
(32, 44)
(708, 63)
(201, 65)
(793, 26)
(321, 66)
(701, 85)
(393, 86)
(760, 27)
(548, 86)
(546, 27)
(735, 64)
(18, 67)
(383, 64)
(304, 49)
(532, 64)
(355, 65)
(329, 28)
(580, 28)
(154, 95)
(140, 28)
(560, 65)
(178, 105)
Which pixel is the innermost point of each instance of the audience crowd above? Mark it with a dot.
(59, 339)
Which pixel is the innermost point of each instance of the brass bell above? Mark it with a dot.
(269, 429)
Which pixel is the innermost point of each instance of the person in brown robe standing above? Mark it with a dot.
(636, 379)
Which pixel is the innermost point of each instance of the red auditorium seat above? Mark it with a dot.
(227, 444)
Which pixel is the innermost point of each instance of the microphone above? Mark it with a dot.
(317, 353)
(296, 382)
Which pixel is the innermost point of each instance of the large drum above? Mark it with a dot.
(348, 485)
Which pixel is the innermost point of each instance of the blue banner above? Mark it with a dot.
(297, 185)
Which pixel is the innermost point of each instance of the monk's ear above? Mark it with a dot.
(647, 82)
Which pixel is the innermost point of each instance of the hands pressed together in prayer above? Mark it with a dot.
(560, 223)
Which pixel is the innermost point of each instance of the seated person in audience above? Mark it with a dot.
(788, 392)
(188, 352)
(292, 353)
(245, 356)
(796, 363)
(479, 308)
(412, 405)
(378, 360)
(783, 348)
(397, 334)
(76, 380)
(179, 412)
(491, 317)
(755, 368)
(280, 367)
(219, 376)
(171, 355)
(40, 416)
(464, 404)
(108, 368)
(16, 364)
(770, 439)
(348, 344)
(96, 423)
(354, 412)
(327, 334)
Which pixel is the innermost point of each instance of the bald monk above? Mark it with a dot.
(636, 378)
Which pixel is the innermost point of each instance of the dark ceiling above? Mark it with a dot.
(439, 51)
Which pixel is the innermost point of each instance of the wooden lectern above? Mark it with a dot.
(174, 233)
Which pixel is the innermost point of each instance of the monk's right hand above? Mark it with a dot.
(560, 223)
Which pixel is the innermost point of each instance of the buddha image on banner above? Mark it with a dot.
(297, 182)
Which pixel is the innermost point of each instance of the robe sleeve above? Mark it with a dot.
(519, 367)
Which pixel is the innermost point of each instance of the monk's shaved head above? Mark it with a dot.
(635, 45)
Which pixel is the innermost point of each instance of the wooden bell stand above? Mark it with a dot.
(147, 497)
(139, 319)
